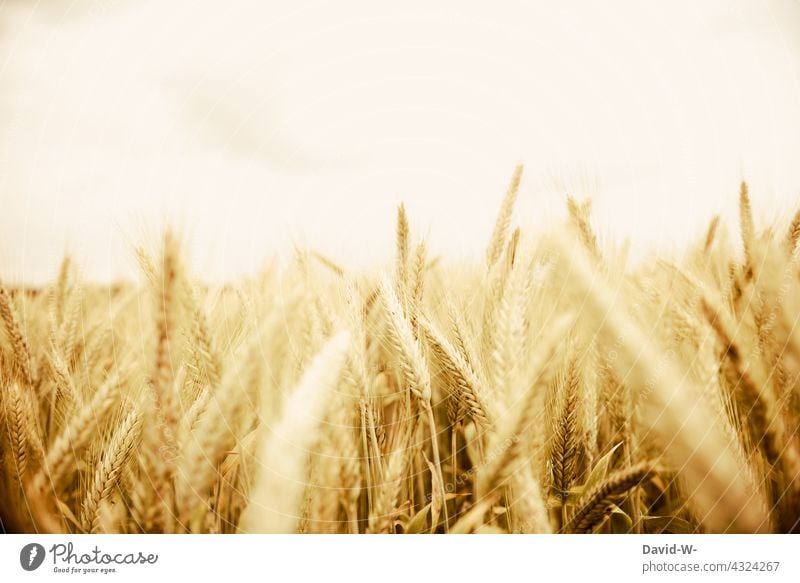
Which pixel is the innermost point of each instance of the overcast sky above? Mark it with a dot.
(256, 125)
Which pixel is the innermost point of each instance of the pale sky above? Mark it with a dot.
(255, 125)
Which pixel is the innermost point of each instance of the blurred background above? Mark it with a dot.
(255, 126)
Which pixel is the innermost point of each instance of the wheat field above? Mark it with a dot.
(550, 388)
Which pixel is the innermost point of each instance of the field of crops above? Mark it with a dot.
(551, 386)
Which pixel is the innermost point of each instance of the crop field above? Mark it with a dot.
(550, 386)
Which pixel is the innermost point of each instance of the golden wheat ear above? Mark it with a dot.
(109, 468)
(499, 237)
(403, 244)
(565, 443)
(793, 234)
(19, 346)
(596, 505)
(274, 504)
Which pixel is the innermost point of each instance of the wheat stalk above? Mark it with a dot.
(16, 420)
(595, 505)
(402, 244)
(108, 470)
(565, 445)
(500, 233)
(22, 356)
(465, 387)
(274, 501)
(747, 230)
